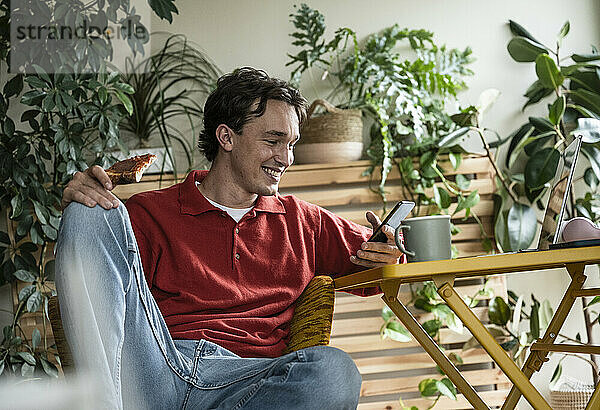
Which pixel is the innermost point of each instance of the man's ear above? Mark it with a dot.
(224, 136)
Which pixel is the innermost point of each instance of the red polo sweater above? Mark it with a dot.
(235, 283)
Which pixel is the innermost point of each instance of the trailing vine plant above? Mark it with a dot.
(406, 99)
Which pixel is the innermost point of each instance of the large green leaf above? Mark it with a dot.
(462, 182)
(541, 167)
(548, 72)
(432, 327)
(516, 137)
(593, 155)
(468, 202)
(49, 368)
(428, 387)
(535, 93)
(582, 58)
(588, 99)
(36, 338)
(537, 142)
(164, 9)
(592, 181)
(14, 86)
(587, 80)
(519, 30)
(564, 30)
(24, 275)
(501, 232)
(499, 312)
(446, 387)
(557, 110)
(397, 332)
(34, 301)
(521, 225)
(546, 314)
(27, 357)
(26, 292)
(441, 197)
(541, 124)
(453, 138)
(524, 50)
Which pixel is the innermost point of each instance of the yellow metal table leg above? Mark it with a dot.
(390, 298)
(490, 345)
(537, 358)
(594, 402)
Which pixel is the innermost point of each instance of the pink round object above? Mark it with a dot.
(580, 229)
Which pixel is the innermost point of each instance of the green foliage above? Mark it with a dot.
(499, 312)
(427, 299)
(70, 119)
(506, 324)
(405, 97)
(534, 149)
(168, 89)
(164, 9)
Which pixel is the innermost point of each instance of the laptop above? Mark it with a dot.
(557, 205)
(559, 209)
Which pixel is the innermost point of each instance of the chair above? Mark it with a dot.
(310, 325)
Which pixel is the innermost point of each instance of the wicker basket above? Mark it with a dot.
(570, 394)
(335, 126)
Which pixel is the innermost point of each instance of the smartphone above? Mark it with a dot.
(393, 219)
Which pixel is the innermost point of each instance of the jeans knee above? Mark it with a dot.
(82, 222)
(336, 374)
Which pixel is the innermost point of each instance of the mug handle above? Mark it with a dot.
(399, 243)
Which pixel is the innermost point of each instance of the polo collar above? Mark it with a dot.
(192, 202)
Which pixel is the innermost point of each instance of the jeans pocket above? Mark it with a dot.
(188, 348)
(216, 367)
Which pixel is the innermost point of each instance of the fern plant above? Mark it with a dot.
(406, 97)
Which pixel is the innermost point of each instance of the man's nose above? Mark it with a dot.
(285, 157)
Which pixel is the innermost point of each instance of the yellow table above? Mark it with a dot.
(443, 273)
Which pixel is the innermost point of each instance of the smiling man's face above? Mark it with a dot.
(265, 149)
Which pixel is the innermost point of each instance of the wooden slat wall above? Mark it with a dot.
(343, 189)
(391, 369)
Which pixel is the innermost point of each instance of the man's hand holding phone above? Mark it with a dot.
(376, 254)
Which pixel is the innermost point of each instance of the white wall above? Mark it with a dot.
(256, 33)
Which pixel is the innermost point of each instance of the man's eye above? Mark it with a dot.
(271, 142)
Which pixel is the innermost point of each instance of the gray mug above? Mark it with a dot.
(426, 238)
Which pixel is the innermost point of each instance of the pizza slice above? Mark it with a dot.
(130, 170)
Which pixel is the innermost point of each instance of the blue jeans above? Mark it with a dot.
(117, 333)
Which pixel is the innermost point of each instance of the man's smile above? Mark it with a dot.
(273, 172)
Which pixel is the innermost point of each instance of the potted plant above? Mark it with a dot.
(533, 152)
(169, 87)
(336, 135)
(71, 109)
(403, 98)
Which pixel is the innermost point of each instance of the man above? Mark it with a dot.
(224, 258)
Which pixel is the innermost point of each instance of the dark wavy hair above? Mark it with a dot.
(232, 101)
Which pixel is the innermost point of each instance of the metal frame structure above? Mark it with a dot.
(443, 273)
